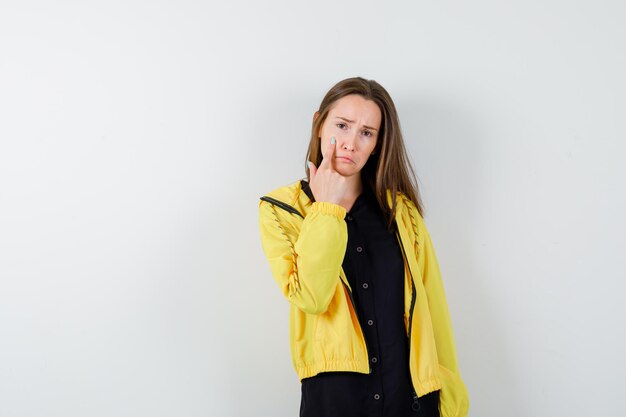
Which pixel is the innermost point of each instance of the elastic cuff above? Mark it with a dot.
(329, 208)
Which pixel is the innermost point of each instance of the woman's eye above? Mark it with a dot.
(367, 133)
(340, 125)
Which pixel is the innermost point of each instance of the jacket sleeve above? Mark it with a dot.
(454, 399)
(305, 265)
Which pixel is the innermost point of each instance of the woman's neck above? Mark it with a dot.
(355, 189)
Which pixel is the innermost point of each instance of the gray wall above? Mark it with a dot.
(136, 138)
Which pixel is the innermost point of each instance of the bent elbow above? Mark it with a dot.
(315, 299)
(315, 309)
(313, 306)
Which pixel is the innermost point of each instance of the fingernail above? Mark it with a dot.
(332, 140)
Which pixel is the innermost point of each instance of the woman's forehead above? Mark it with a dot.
(356, 108)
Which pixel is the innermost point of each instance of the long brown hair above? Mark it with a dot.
(389, 167)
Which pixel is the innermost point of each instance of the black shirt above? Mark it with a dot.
(374, 267)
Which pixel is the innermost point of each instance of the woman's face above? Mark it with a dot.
(354, 122)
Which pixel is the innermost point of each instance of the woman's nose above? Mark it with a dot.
(348, 142)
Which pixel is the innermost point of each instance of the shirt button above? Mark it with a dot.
(370, 322)
(374, 359)
(377, 396)
(359, 249)
(365, 285)
(349, 217)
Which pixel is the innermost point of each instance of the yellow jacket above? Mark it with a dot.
(305, 243)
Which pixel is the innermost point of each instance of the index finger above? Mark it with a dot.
(327, 158)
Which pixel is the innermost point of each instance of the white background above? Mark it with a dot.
(136, 138)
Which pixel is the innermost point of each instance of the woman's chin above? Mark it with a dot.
(345, 172)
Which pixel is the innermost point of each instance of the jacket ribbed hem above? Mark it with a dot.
(428, 386)
(329, 208)
(307, 371)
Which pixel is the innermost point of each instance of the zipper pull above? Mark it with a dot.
(416, 404)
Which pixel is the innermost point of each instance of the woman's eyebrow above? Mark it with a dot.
(352, 121)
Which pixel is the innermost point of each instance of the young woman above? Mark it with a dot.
(369, 326)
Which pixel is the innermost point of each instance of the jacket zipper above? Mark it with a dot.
(369, 366)
(416, 405)
(282, 205)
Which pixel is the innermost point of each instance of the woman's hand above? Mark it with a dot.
(326, 183)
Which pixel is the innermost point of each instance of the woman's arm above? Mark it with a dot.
(305, 265)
